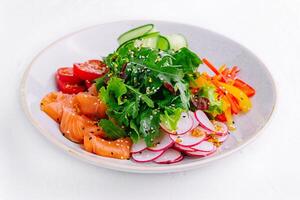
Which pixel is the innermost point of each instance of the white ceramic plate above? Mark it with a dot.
(92, 42)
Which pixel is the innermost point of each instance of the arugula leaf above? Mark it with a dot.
(144, 97)
(127, 111)
(112, 131)
(149, 126)
(184, 94)
(188, 59)
(134, 133)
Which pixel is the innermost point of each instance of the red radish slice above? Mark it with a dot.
(223, 138)
(195, 121)
(139, 146)
(182, 148)
(204, 121)
(166, 129)
(179, 159)
(189, 139)
(146, 155)
(184, 124)
(200, 153)
(168, 157)
(162, 143)
(204, 146)
(220, 128)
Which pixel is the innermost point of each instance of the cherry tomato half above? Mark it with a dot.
(221, 117)
(90, 70)
(66, 75)
(88, 84)
(69, 88)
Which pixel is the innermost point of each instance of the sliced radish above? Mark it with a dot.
(204, 146)
(179, 159)
(195, 121)
(204, 121)
(223, 138)
(166, 129)
(189, 139)
(185, 123)
(162, 143)
(146, 155)
(168, 157)
(220, 128)
(182, 148)
(139, 146)
(200, 153)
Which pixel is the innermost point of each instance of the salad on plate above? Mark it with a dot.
(149, 100)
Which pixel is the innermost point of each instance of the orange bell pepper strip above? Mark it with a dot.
(233, 103)
(242, 99)
(213, 68)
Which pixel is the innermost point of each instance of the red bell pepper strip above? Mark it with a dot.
(247, 89)
(208, 64)
(233, 72)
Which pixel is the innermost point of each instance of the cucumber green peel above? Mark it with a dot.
(135, 33)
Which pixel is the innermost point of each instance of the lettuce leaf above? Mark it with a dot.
(170, 118)
(215, 105)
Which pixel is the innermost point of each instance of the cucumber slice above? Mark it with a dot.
(162, 43)
(177, 41)
(149, 40)
(134, 33)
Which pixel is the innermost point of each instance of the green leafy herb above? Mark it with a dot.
(112, 131)
(215, 105)
(149, 126)
(188, 59)
(134, 132)
(114, 91)
(170, 118)
(144, 97)
(136, 95)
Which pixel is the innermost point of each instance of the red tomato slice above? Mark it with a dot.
(90, 70)
(66, 75)
(88, 84)
(221, 117)
(69, 88)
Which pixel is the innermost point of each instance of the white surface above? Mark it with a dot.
(32, 168)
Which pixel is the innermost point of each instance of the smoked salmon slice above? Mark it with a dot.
(53, 103)
(74, 126)
(90, 105)
(119, 148)
(93, 90)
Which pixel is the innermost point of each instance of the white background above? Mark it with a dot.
(269, 168)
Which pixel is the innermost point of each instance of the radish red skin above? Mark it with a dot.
(172, 162)
(165, 143)
(169, 156)
(154, 156)
(205, 123)
(185, 120)
(138, 147)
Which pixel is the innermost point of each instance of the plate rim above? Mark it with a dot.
(140, 168)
